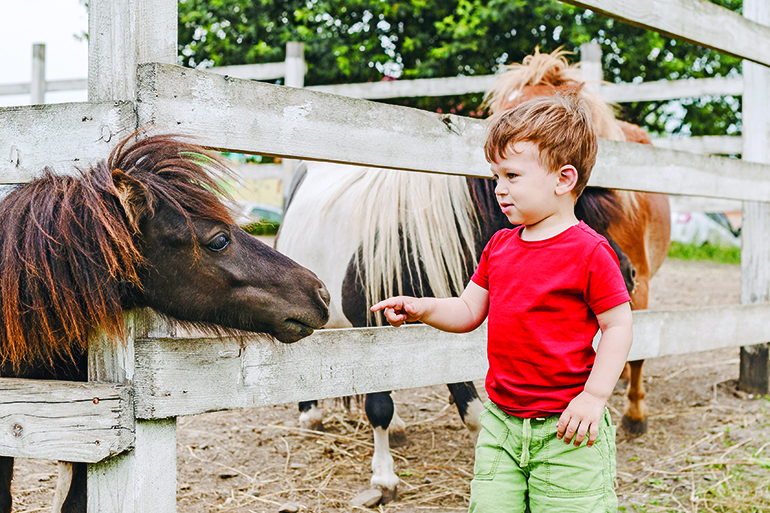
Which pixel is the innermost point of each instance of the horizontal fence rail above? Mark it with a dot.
(62, 420)
(31, 136)
(190, 376)
(251, 117)
(698, 21)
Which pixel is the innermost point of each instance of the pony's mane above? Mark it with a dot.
(69, 252)
(431, 214)
(546, 74)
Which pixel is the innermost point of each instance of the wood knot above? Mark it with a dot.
(17, 430)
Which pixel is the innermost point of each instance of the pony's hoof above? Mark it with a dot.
(634, 427)
(397, 437)
(389, 495)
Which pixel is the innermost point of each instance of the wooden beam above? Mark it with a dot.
(672, 89)
(411, 88)
(62, 420)
(697, 21)
(253, 117)
(32, 137)
(186, 377)
(704, 145)
(755, 249)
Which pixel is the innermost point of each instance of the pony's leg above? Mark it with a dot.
(379, 410)
(6, 474)
(635, 418)
(311, 416)
(468, 404)
(63, 485)
(397, 430)
(76, 501)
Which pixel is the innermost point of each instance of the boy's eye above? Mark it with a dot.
(511, 176)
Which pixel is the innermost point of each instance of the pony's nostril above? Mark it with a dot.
(323, 293)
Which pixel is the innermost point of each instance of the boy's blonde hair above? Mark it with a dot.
(559, 125)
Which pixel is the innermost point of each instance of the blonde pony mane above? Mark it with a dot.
(432, 215)
(544, 74)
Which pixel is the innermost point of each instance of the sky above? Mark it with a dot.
(53, 22)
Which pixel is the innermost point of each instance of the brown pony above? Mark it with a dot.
(642, 228)
(144, 229)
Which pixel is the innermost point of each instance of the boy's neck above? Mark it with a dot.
(550, 226)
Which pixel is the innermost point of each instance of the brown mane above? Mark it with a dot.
(69, 245)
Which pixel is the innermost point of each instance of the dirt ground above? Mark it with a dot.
(706, 450)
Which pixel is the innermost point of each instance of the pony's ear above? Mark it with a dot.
(132, 195)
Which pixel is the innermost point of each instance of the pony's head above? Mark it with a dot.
(547, 74)
(145, 228)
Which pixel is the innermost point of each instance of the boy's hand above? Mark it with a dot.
(583, 415)
(401, 309)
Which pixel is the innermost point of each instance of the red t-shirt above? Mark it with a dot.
(543, 300)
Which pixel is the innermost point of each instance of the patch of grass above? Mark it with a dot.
(718, 254)
(264, 228)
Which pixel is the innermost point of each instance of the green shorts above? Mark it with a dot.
(522, 467)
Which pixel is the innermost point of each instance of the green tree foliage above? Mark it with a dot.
(349, 41)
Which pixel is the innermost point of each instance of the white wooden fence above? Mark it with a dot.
(123, 421)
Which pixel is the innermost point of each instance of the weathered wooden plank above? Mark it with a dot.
(616, 93)
(122, 34)
(50, 85)
(672, 89)
(63, 420)
(698, 21)
(755, 250)
(59, 135)
(411, 88)
(252, 117)
(642, 167)
(185, 377)
(704, 145)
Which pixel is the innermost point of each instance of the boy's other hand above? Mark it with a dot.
(582, 416)
(400, 309)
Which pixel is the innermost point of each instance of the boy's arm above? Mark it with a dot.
(585, 411)
(454, 314)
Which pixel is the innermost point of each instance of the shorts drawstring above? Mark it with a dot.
(526, 439)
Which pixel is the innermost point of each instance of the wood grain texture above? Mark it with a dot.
(61, 135)
(186, 377)
(62, 420)
(698, 21)
(755, 250)
(251, 117)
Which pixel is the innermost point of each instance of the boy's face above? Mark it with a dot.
(525, 190)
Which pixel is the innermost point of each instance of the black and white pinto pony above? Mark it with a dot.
(147, 228)
(373, 233)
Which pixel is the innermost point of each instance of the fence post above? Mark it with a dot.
(755, 251)
(37, 85)
(123, 34)
(295, 77)
(591, 65)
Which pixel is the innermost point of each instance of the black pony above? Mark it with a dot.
(144, 229)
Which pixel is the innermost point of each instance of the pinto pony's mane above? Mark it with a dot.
(432, 215)
(70, 246)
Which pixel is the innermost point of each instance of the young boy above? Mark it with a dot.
(546, 287)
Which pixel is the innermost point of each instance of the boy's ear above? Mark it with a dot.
(568, 177)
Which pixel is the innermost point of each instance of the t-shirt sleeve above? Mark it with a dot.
(605, 287)
(481, 276)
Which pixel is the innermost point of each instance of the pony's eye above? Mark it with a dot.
(219, 242)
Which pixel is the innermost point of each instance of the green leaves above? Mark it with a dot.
(370, 40)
